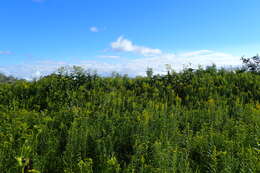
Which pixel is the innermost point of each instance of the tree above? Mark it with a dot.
(251, 64)
(149, 72)
(4, 78)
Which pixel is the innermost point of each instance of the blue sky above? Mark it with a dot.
(37, 36)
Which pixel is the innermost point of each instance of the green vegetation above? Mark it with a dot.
(204, 120)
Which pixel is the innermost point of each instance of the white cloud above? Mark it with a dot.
(33, 69)
(94, 29)
(132, 67)
(5, 52)
(108, 56)
(124, 45)
(158, 63)
(178, 61)
(200, 52)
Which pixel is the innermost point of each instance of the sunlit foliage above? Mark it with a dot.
(72, 121)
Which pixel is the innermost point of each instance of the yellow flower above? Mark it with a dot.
(146, 117)
(174, 150)
(211, 101)
(142, 159)
(257, 106)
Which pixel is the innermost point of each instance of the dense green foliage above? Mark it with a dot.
(192, 121)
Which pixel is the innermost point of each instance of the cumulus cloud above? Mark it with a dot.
(5, 52)
(179, 61)
(125, 45)
(132, 67)
(94, 29)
